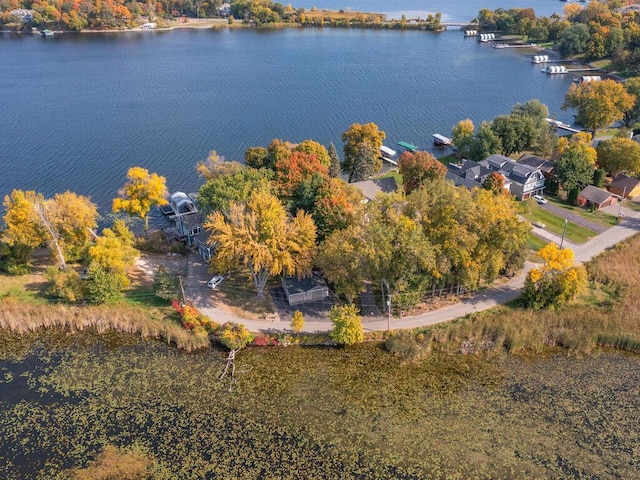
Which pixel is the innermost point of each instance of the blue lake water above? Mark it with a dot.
(76, 111)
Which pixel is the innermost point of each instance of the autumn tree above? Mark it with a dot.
(494, 183)
(365, 163)
(141, 192)
(257, 157)
(297, 322)
(296, 168)
(215, 166)
(113, 253)
(619, 155)
(65, 222)
(598, 104)
(334, 162)
(260, 236)
(347, 325)
(311, 147)
(544, 137)
(419, 167)
(632, 86)
(361, 146)
(462, 137)
(556, 282)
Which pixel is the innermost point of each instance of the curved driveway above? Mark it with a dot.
(201, 297)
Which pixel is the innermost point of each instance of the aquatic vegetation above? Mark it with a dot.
(321, 412)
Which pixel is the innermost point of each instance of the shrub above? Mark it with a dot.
(166, 284)
(408, 346)
(347, 325)
(103, 286)
(65, 284)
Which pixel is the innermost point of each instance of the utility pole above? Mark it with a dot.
(385, 283)
(564, 231)
(624, 192)
(184, 297)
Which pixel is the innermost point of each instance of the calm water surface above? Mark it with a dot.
(76, 111)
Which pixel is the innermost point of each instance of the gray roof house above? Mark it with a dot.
(522, 181)
(301, 290)
(545, 166)
(371, 188)
(592, 196)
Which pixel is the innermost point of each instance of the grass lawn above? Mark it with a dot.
(553, 223)
(535, 243)
(447, 159)
(632, 204)
(596, 216)
(392, 173)
(238, 295)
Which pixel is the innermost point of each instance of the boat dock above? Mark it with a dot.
(441, 140)
(561, 125)
(408, 146)
(387, 154)
(514, 45)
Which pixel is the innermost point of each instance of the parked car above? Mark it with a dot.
(215, 282)
(538, 224)
(540, 199)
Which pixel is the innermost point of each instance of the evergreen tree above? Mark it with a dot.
(334, 167)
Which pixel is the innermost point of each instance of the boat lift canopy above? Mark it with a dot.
(387, 151)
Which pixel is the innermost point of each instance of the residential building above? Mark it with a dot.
(521, 180)
(301, 290)
(371, 188)
(596, 198)
(545, 166)
(625, 186)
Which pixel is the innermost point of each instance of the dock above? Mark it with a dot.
(561, 125)
(408, 146)
(441, 140)
(387, 154)
(514, 45)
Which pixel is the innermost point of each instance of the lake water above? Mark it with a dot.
(77, 111)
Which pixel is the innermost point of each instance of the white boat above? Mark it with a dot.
(555, 69)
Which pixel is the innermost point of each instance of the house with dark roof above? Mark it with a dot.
(522, 181)
(301, 290)
(371, 188)
(625, 186)
(596, 198)
(545, 166)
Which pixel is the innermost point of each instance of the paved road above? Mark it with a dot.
(195, 286)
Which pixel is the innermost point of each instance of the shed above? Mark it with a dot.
(625, 186)
(595, 197)
(301, 290)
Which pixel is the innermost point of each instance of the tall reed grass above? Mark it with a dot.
(613, 321)
(24, 318)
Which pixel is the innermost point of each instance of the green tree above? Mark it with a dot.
(297, 323)
(358, 137)
(234, 336)
(334, 162)
(141, 192)
(215, 165)
(419, 167)
(574, 170)
(166, 285)
(218, 193)
(517, 133)
(102, 285)
(260, 236)
(347, 325)
(598, 104)
(485, 143)
(619, 155)
(574, 40)
(364, 164)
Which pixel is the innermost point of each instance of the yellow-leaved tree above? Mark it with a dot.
(113, 252)
(65, 222)
(260, 236)
(556, 281)
(141, 192)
